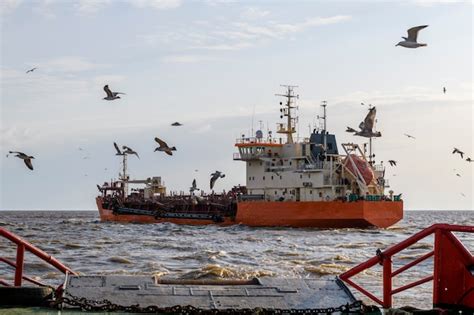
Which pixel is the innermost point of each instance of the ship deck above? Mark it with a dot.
(267, 293)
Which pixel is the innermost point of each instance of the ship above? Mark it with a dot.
(290, 182)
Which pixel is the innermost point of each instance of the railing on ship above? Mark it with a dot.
(22, 247)
(453, 271)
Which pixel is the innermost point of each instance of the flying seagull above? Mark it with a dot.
(176, 124)
(463, 195)
(164, 147)
(349, 129)
(193, 186)
(215, 176)
(26, 158)
(456, 150)
(366, 127)
(111, 95)
(392, 162)
(411, 42)
(469, 160)
(444, 90)
(409, 136)
(118, 149)
(128, 150)
(458, 175)
(31, 70)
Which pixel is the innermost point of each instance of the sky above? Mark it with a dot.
(215, 66)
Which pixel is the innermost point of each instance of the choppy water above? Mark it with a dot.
(89, 246)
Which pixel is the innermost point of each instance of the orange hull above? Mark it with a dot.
(320, 214)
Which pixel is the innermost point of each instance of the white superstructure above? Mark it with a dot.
(307, 170)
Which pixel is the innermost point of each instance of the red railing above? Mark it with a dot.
(23, 246)
(453, 268)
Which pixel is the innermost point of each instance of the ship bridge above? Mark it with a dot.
(256, 148)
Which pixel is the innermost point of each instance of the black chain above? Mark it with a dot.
(84, 304)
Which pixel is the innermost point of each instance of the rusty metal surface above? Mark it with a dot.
(264, 293)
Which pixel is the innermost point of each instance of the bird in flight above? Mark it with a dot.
(176, 124)
(164, 147)
(366, 127)
(409, 136)
(111, 95)
(193, 186)
(128, 150)
(469, 160)
(458, 175)
(26, 158)
(392, 162)
(410, 41)
(31, 70)
(215, 176)
(444, 90)
(456, 150)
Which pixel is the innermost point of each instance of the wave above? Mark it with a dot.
(327, 269)
(217, 271)
(119, 260)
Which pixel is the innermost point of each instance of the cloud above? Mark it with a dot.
(429, 3)
(8, 6)
(234, 36)
(88, 7)
(185, 58)
(108, 79)
(156, 4)
(68, 64)
(253, 13)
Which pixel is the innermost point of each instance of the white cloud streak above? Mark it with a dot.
(236, 35)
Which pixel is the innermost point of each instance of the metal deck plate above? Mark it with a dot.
(262, 293)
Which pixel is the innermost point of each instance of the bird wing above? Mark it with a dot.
(134, 152)
(369, 119)
(161, 142)
(107, 91)
(117, 148)
(413, 32)
(117, 93)
(213, 180)
(194, 183)
(18, 152)
(28, 163)
(349, 129)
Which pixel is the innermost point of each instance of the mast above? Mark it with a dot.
(124, 175)
(289, 129)
(324, 104)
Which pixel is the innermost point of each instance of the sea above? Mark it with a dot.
(88, 246)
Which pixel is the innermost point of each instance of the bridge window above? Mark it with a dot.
(263, 177)
(272, 177)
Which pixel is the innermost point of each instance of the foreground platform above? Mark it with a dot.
(266, 293)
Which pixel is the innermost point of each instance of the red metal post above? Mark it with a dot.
(20, 255)
(387, 281)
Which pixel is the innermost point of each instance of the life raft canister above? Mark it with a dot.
(363, 167)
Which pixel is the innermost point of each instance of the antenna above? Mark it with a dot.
(289, 129)
(253, 116)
